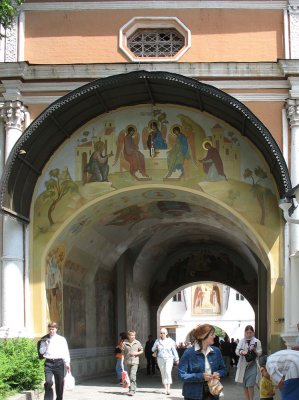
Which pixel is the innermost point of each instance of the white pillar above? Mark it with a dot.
(14, 275)
(292, 269)
(13, 114)
(13, 278)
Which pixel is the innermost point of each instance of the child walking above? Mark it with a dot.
(267, 390)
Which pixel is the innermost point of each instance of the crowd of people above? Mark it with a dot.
(202, 362)
(204, 359)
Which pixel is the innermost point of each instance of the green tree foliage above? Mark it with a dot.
(20, 367)
(8, 12)
(59, 184)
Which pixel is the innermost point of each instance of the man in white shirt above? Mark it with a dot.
(55, 350)
(283, 368)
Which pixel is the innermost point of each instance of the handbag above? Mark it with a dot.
(125, 380)
(207, 395)
(69, 381)
(215, 386)
(250, 356)
(155, 354)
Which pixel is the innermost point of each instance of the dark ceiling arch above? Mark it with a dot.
(58, 122)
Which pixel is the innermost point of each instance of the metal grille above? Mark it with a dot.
(156, 43)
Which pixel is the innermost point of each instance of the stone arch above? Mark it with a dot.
(58, 122)
(202, 230)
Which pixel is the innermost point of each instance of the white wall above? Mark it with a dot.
(232, 319)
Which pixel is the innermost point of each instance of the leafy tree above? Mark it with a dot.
(59, 184)
(8, 12)
(258, 191)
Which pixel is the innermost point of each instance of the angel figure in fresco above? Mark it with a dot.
(215, 299)
(212, 163)
(97, 167)
(155, 139)
(127, 144)
(198, 297)
(179, 152)
(194, 133)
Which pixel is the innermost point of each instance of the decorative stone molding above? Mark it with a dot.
(289, 339)
(292, 107)
(11, 44)
(293, 9)
(13, 114)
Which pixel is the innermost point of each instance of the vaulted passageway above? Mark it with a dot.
(109, 244)
(152, 241)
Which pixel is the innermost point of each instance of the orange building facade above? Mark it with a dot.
(98, 229)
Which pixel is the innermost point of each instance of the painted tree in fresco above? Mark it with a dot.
(59, 184)
(258, 191)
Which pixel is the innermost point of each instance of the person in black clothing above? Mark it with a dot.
(216, 341)
(226, 350)
(234, 357)
(151, 361)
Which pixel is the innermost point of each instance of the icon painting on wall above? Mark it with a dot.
(206, 299)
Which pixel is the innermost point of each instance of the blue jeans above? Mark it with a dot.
(118, 368)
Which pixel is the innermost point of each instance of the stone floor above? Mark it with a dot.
(149, 387)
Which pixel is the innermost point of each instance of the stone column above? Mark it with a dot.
(13, 114)
(292, 268)
(13, 270)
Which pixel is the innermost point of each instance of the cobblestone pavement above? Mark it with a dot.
(149, 387)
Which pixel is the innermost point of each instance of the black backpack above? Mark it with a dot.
(41, 356)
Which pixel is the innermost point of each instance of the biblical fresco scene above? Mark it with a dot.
(161, 145)
(123, 173)
(206, 299)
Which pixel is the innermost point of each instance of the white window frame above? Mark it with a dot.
(153, 23)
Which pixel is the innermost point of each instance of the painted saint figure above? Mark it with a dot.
(155, 140)
(212, 163)
(178, 154)
(133, 155)
(97, 167)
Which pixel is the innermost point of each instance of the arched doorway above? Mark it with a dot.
(106, 251)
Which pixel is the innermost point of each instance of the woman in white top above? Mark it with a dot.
(248, 372)
(167, 355)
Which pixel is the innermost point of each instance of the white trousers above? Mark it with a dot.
(165, 365)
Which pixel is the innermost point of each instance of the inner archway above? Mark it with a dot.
(206, 302)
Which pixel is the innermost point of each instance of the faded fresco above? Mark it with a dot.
(105, 309)
(162, 145)
(206, 299)
(54, 282)
(158, 149)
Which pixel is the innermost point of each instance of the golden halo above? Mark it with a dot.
(131, 126)
(150, 123)
(176, 126)
(204, 143)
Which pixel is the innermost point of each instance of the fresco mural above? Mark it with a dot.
(157, 149)
(165, 144)
(53, 282)
(206, 299)
(105, 314)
